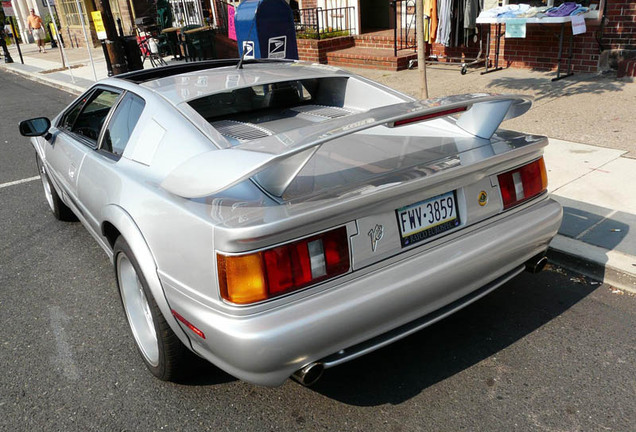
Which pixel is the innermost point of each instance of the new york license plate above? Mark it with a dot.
(428, 218)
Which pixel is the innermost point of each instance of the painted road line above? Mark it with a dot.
(17, 182)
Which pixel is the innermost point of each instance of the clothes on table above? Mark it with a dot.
(564, 10)
(525, 11)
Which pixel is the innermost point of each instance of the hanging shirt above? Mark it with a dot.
(430, 9)
(444, 24)
(471, 10)
(490, 4)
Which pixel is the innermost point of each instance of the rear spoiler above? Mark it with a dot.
(275, 160)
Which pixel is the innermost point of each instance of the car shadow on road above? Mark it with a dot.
(545, 88)
(403, 370)
(202, 373)
(595, 225)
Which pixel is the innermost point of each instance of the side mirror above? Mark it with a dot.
(35, 127)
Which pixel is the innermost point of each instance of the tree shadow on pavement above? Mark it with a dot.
(403, 370)
(545, 88)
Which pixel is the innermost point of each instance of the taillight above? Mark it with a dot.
(429, 116)
(523, 183)
(258, 276)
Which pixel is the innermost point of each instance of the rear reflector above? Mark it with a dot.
(250, 278)
(523, 183)
(188, 324)
(429, 116)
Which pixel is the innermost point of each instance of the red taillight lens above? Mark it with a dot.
(251, 278)
(523, 183)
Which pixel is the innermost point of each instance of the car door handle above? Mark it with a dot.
(72, 171)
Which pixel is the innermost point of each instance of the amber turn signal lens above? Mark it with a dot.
(243, 280)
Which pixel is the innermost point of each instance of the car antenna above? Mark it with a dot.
(240, 63)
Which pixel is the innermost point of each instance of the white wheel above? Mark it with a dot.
(137, 310)
(161, 350)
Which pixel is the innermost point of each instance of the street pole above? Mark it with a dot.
(114, 46)
(88, 45)
(421, 47)
(15, 39)
(65, 62)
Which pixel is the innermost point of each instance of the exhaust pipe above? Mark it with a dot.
(309, 374)
(536, 264)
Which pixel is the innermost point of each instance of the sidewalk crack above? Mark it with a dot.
(584, 233)
(590, 170)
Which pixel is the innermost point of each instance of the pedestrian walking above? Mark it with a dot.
(36, 27)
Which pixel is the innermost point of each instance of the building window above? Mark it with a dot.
(71, 13)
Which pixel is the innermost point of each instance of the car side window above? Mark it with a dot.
(122, 123)
(71, 115)
(93, 114)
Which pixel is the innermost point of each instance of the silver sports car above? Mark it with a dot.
(279, 217)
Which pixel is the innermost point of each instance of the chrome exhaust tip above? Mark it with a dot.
(536, 264)
(309, 374)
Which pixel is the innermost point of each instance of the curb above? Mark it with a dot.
(67, 87)
(610, 267)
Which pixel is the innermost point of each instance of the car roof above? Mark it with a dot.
(185, 82)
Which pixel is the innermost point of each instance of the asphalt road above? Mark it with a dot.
(547, 352)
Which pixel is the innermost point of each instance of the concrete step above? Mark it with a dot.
(371, 58)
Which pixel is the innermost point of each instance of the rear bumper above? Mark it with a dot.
(384, 303)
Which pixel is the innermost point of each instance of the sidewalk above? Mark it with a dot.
(594, 178)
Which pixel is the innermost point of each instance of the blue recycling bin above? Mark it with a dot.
(265, 29)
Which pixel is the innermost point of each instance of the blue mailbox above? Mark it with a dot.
(265, 29)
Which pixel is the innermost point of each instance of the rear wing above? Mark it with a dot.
(274, 161)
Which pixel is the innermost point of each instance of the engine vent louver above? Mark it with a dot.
(240, 130)
(322, 111)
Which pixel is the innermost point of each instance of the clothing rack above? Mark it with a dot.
(451, 61)
(456, 35)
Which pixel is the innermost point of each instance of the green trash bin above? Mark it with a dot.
(172, 40)
(133, 53)
(200, 44)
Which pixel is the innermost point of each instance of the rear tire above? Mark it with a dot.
(57, 206)
(161, 350)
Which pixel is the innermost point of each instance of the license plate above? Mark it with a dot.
(428, 218)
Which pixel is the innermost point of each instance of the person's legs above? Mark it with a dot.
(38, 35)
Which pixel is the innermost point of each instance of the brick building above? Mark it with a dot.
(611, 36)
(124, 12)
(610, 40)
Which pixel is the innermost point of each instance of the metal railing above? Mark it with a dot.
(319, 23)
(404, 30)
(186, 12)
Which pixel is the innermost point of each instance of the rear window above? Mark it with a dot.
(275, 96)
